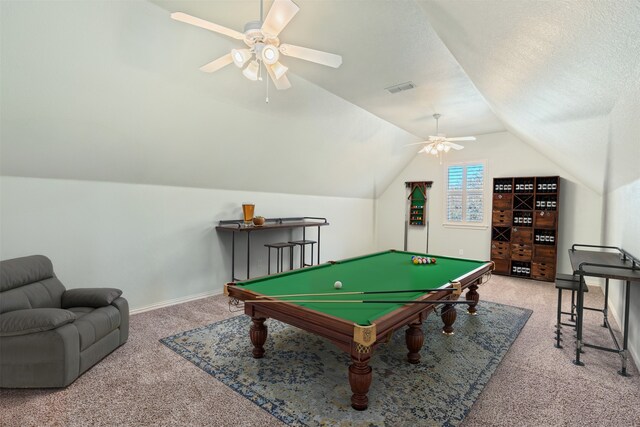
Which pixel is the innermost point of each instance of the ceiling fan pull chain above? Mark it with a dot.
(267, 99)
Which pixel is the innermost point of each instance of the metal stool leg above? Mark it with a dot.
(559, 319)
(573, 306)
(290, 258)
(269, 262)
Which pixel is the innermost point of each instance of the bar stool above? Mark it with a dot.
(303, 244)
(279, 247)
(567, 282)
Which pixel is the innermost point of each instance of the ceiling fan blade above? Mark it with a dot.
(282, 83)
(213, 66)
(188, 19)
(317, 56)
(281, 12)
(462, 138)
(422, 150)
(454, 146)
(416, 143)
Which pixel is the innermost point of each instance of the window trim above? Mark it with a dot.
(465, 224)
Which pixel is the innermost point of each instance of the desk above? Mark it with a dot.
(356, 327)
(237, 226)
(612, 263)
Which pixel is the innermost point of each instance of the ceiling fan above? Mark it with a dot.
(439, 143)
(264, 47)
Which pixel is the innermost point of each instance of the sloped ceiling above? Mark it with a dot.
(552, 71)
(549, 72)
(111, 90)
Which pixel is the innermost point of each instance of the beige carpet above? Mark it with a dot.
(145, 383)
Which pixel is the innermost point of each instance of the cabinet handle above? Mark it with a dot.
(499, 196)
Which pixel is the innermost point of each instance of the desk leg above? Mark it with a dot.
(605, 309)
(258, 335)
(414, 338)
(579, 317)
(360, 376)
(233, 256)
(248, 253)
(318, 245)
(625, 338)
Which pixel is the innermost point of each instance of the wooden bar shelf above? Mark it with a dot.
(524, 232)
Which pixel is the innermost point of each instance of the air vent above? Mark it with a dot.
(401, 87)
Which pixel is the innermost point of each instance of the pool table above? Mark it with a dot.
(353, 326)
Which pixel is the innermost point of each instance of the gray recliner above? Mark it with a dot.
(49, 335)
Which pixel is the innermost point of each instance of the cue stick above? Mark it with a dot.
(371, 301)
(456, 286)
(454, 289)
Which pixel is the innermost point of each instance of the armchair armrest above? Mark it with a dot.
(32, 320)
(89, 297)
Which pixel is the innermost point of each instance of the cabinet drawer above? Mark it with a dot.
(521, 252)
(542, 253)
(545, 219)
(501, 266)
(502, 218)
(500, 250)
(502, 201)
(522, 235)
(543, 270)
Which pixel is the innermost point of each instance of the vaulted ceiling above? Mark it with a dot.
(549, 72)
(111, 91)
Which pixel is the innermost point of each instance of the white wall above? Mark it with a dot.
(111, 91)
(118, 155)
(622, 224)
(158, 243)
(580, 215)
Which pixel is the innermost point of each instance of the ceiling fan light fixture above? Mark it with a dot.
(279, 69)
(447, 148)
(251, 72)
(240, 56)
(270, 54)
(439, 146)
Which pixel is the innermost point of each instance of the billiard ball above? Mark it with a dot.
(416, 261)
(433, 260)
(338, 284)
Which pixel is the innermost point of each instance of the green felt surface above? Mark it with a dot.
(377, 272)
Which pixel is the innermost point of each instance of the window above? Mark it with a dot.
(465, 193)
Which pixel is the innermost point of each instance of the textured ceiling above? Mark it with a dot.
(383, 43)
(551, 71)
(121, 89)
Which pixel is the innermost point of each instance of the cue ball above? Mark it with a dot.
(338, 284)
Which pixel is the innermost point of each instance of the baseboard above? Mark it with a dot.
(175, 301)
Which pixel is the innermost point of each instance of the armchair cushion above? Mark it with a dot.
(23, 322)
(89, 297)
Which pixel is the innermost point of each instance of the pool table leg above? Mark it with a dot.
(448, 316)
(258, 335)
(414, 338)
(360, 379)
(473, 297)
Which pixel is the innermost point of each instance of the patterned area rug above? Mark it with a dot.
(302, 380)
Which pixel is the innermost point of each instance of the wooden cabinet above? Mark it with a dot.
(524, 226)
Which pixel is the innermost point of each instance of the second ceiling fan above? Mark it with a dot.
(263, 45)
(439, 143)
